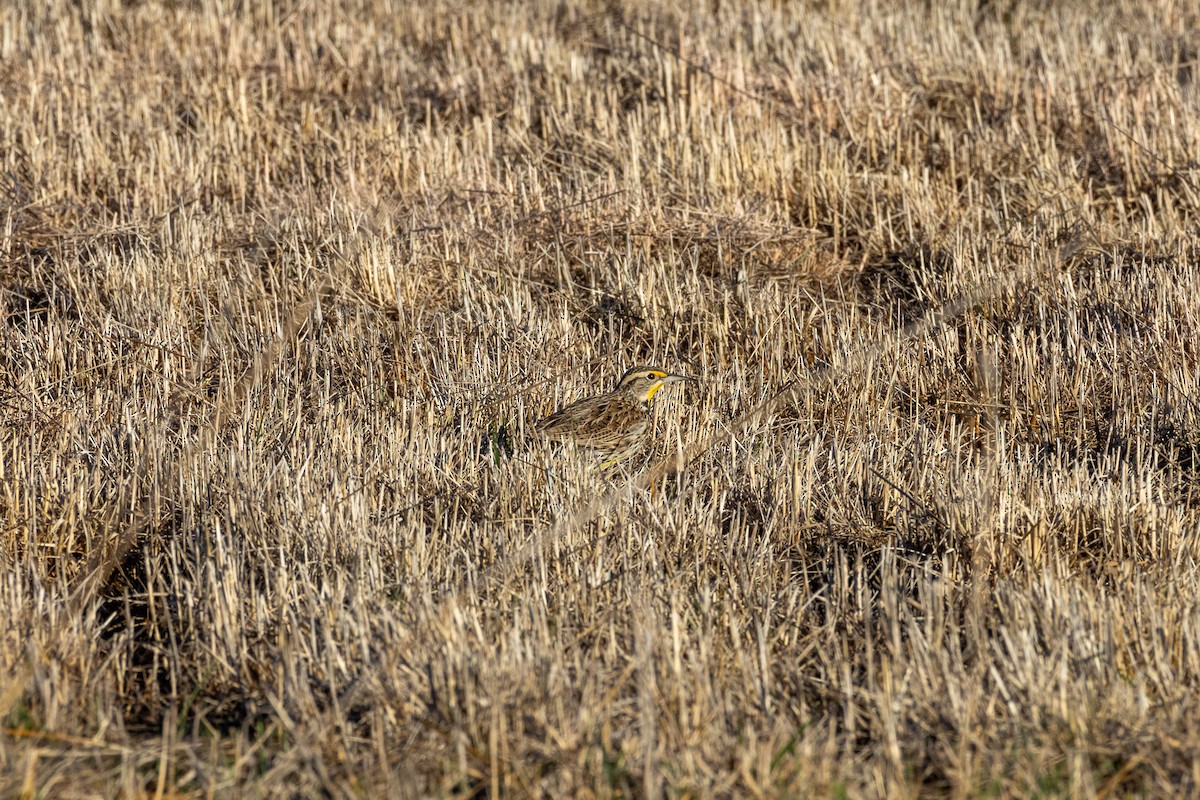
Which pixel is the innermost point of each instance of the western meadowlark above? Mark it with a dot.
(612, 424)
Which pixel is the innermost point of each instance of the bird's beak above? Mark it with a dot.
(665, 380)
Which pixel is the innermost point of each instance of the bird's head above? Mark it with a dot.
(644, 382)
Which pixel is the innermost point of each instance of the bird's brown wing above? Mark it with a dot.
(591, 422)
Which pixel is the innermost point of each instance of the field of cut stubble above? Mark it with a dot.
(285, 289)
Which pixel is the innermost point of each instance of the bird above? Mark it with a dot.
(612, 425)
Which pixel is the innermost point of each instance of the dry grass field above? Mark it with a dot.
(284, 289)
